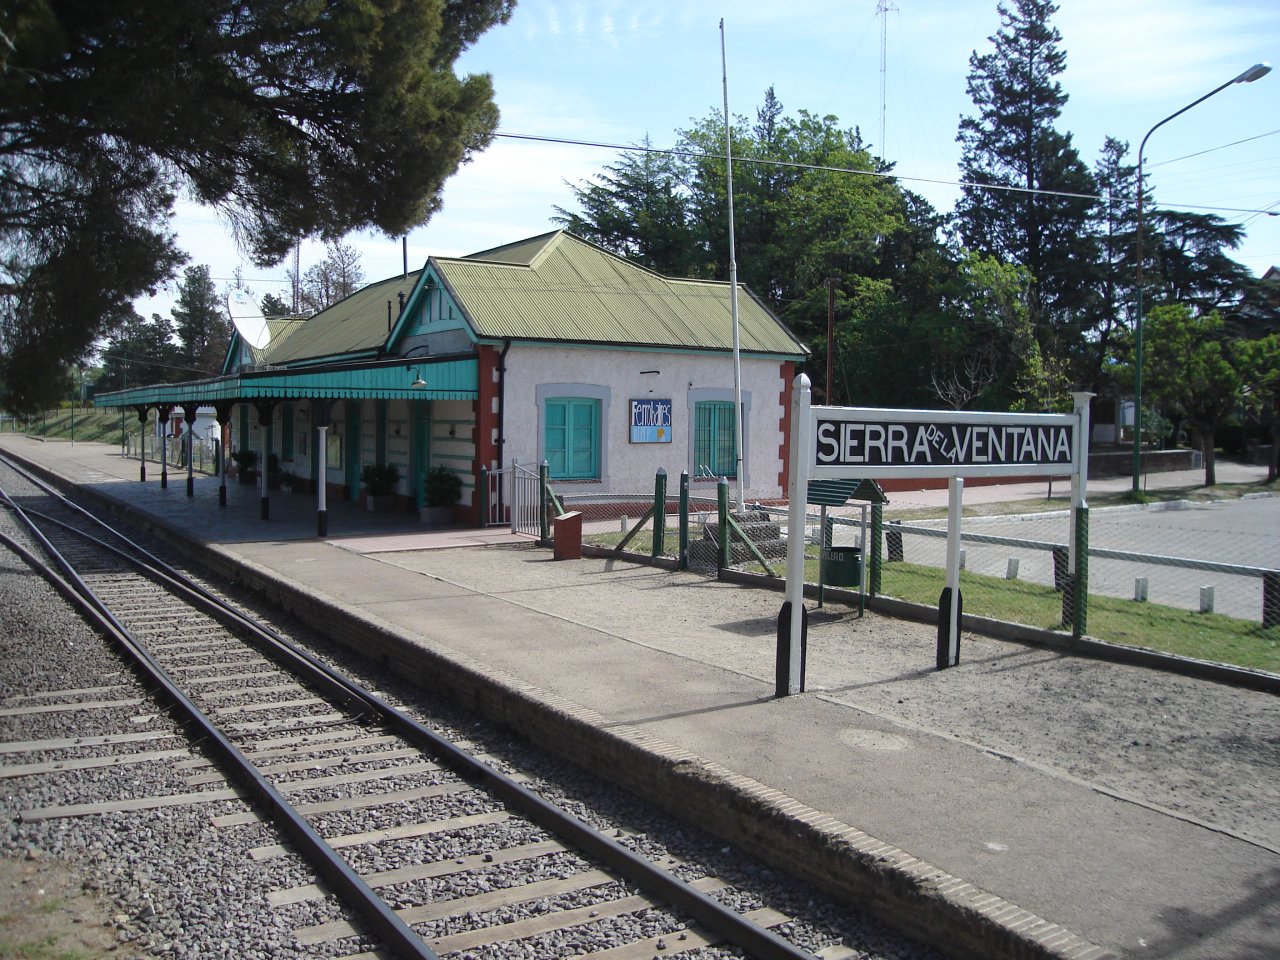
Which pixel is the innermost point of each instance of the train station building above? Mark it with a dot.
(550, 349)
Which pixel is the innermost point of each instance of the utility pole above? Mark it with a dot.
(831, 339)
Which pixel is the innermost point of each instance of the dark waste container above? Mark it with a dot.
(842, 566)
(567, 533)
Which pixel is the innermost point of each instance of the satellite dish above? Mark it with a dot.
(250, 323)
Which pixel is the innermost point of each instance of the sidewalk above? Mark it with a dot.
(1017, 783)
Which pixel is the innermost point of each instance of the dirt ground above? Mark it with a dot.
(47, 912)
(1202, 750)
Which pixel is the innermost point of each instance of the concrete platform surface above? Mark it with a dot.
(1054, 846)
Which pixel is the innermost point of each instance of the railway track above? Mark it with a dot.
(414, 844)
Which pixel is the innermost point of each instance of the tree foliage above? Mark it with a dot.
(1195, 370)
(293, 119)
(200, 323)
(1028, 195)
(335, 277)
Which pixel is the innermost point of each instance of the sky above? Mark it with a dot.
(618, 71)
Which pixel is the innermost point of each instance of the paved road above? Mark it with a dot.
(1240, 532)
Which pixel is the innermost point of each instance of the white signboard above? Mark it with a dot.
(870, 443)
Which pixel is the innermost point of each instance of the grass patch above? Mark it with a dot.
(1204, 636)
(90, 425)
(46, 948)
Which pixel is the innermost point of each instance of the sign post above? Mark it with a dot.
(868, 443)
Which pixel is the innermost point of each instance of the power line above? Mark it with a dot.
(700, 155)
(1200, 153)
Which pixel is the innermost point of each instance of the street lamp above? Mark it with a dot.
(1255, 72)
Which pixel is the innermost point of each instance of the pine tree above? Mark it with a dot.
(293, 119)
(638, 209)
(200, 323)
(1027, 199)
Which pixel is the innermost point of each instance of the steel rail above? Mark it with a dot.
(756, 940)
(397, 936)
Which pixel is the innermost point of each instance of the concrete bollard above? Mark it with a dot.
(1140, 589)
(1206, 599)
(622, 523)
(1011, 572)
(962, 560)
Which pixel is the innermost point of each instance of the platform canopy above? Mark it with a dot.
(445, 378)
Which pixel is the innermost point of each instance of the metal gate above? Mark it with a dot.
(526, 500)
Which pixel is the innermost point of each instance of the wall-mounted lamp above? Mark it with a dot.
(418, 382)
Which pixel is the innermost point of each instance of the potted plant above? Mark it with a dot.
(442, 489)
(380, 481)
(246, 460)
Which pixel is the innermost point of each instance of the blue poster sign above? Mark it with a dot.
(650, 421)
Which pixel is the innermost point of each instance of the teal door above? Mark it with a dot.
(351, 447)
(422, 458)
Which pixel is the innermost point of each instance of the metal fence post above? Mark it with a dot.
(683, 515)
(659, 538)
(1080, 602)
(877, 548)
(722, 502)
(544, 520)
(1271, 598)
(483, 498)
(893, 540)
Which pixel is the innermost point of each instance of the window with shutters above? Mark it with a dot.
(571, 438)
(714, 447)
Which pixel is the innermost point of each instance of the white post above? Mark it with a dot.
(322, 455)
(955, 496)
(1080, 469)
(797, 489)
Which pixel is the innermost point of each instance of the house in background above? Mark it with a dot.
(549, 349)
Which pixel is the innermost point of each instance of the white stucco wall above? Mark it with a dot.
(619, 376)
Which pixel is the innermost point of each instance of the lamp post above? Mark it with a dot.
(1257, 71)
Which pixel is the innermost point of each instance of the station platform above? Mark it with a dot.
(944, 831)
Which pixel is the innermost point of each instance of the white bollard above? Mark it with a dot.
(1206, 599)
(1140, 589)
(622, 523)
(1011, 573)
(961, 559)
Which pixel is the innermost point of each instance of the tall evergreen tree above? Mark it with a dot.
(638, 209)
(139, 352)
(294, 119)
(200, 322)
(1027, 198)
(1115, 227)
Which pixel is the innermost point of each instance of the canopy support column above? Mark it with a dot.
(144, 417)
(223, 413)
(163, 412)
(321, 415)
(189, 411)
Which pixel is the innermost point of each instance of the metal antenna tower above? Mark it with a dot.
(882, 11)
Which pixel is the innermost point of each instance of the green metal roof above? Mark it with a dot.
(838, 492)
(447, 378)
(560, 288)
(357, 325)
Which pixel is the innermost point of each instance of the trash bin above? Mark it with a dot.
(842, 566)
(567, 533)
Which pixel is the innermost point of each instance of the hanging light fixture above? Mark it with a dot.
(418, 382)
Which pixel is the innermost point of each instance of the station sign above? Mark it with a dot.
(868, 442)
(650, 421)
